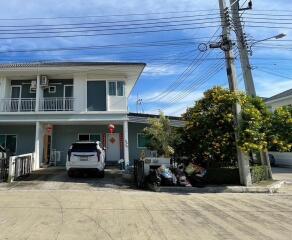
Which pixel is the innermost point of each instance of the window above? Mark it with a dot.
(112, 88)
(121, 88)
(52, 89)
(94, 137)
(8, 141)
(142, 140)
(116, 88)
(96, 95)
(89, 137)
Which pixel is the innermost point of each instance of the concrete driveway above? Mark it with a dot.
(47, 210)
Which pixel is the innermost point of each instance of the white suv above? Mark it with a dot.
(85, 156)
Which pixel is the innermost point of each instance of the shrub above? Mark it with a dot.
(162, 136)
(259, 173)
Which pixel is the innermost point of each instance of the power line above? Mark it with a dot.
(105, 16)
(109, 34)
(122, 45)
(58, 25)
(110, 28)
(181, 78)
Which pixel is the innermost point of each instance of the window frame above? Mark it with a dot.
(139, 147)
(4, 134)
(116, 88)
(32, 90)
(123, 88)
(115, 84)
(55, 89)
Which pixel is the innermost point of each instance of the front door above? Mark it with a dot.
(113, 147)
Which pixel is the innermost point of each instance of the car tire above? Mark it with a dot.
(70, 174)
(101, 174)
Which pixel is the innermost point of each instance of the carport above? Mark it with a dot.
(56, 178)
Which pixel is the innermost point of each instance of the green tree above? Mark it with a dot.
(280, 130)
(162, 137)
(209, 132)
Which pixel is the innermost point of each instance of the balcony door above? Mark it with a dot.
(15, 98)
(68, 95)
(96, 96)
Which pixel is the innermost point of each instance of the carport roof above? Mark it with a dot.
(144, 118)
(286, 93)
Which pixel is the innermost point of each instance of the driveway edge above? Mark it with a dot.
(272, 188)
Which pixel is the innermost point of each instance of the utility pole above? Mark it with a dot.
(242, 45)
(245, 65)
(243, 163)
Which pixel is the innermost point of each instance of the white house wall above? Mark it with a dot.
(279, 103)
(79, 92)
(5, 88)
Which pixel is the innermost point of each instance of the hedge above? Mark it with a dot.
(259, 173)
(230, 175)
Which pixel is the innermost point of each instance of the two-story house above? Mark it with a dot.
(44, 107)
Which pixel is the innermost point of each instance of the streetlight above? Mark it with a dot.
(279, 36)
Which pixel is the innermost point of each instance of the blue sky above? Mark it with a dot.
(167, 83)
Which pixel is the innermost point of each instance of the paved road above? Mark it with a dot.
(282, 174)
(89, 211)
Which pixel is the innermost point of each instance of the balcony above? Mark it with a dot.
(56, 104)
(17, 105)
(29, 104)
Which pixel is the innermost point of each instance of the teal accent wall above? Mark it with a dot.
(52, 82)
(65, 135)
(134, 151)
(25, 134)
(59, 87)
(25, 88)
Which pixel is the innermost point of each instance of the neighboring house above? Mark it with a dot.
(279, 100)
(44, 107)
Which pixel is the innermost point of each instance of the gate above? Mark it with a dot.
(21, 165)
(139, 173)
(4, 166)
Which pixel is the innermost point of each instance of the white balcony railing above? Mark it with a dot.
(56, 104)
(29, 104)
(17, 104)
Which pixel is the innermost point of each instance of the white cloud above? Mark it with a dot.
(162, 70)
(267, 86)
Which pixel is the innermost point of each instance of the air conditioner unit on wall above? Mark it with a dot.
(44, 81)
(33, 85)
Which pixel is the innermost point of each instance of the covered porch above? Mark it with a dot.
(50, 140)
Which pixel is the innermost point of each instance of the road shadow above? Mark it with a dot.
(57, 178)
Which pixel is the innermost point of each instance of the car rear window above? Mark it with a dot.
(83, 147)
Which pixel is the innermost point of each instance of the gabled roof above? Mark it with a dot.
(280, 95)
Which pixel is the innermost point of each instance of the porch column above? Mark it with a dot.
(126, 143)
(38, 93)
(39, 145)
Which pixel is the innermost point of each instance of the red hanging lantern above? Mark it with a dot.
(111, 128)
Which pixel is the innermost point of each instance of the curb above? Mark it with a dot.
(273, 188)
